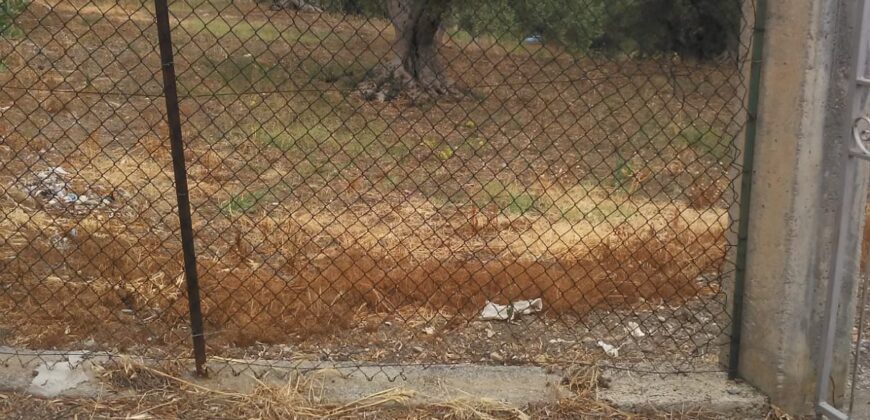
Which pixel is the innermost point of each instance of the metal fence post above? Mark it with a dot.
(746, 185)
(180, 173)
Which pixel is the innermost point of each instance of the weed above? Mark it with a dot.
(707, 142)
(508, 198)
(475, 142)
(398, 151)
(346, 76)
(242, 203)
(282, 139)
(219, 27)
(623, 172)
(9, 10)
(439, 149)
(237, 73)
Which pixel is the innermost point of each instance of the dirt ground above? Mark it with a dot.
(334, 228)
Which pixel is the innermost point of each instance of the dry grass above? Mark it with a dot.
(272, 285)
(629, 266)
(589, 184)
(163, 393)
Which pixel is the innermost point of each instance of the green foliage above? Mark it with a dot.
(346, 76)
(491, 17)
(510, 198)
(699, 28)
(708, 143)
(242, 203)
(9, 10)
(370, 8)
(572, 24)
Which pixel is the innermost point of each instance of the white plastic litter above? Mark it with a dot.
(609, 349)
(635, 330)
(53, 170)
(52, 186)
(51, 380)
(493, 311)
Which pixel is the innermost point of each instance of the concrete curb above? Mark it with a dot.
(77, 374)
(711, 392)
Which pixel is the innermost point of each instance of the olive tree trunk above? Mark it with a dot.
(414, 68)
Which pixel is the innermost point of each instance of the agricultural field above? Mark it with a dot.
(601, 185)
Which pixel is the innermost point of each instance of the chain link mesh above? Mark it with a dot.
(369, 178)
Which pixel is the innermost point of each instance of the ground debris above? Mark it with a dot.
(53, 187)
(494, 311)
(609, 349)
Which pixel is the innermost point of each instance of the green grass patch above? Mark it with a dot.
(252, 30)
(622, 173)
(439, 147)
(344, 75)
(221, 28)
(273, 137)
(398, 151)
(242, 203)
(707, 142)
(508, 198)
(236, 73)
(324, 133)
(575, 206)
(9, 10)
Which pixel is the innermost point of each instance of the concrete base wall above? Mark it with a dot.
(79, 374)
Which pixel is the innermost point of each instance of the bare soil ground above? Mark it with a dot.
(601, 185)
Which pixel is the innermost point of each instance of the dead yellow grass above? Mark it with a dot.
(275, 281)
(301, 273)
(166, 393)
(656, 262)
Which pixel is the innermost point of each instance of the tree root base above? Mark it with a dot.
(389, 83)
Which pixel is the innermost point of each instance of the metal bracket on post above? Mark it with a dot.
(179, 168)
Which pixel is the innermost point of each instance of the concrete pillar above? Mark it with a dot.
(805, 111)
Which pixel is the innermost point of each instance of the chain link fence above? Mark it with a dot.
(374, 182)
